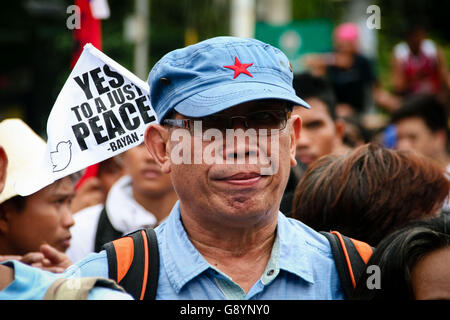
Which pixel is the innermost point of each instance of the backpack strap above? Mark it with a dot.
(350, 256)
(133, 262)
(105, 231)
(77, 288)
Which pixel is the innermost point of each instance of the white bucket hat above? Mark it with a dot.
(24, 148)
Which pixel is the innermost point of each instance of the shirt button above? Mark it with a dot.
(270, 272)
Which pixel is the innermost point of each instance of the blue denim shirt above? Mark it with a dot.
(301, 266)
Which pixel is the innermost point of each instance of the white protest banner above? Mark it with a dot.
(102, 110)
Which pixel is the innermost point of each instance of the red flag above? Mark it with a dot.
(90, 171)
(90, 30)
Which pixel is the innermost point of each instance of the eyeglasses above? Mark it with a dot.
(267, 119)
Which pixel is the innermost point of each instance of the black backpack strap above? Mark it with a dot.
(133, 262)
(350, 257)
(153, 275)
(105, 231)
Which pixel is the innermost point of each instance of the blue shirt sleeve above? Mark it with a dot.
(93, 265)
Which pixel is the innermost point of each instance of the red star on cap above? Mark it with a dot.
(239, 68)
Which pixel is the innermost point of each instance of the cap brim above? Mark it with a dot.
(226, 96)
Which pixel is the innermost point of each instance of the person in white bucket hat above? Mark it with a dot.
(19, 281)
(43, 217)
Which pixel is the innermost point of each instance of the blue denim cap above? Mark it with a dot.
(219, 73)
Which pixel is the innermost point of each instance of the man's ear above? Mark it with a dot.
(157, 143)
(441, 138)
(340, 128)
(3, 166)
(296, 126)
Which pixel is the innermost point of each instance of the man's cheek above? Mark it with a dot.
(180, 151)
(278, 150)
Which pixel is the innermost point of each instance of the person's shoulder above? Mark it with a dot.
(429, 48)
(297, 231)
(29, 283)
(93, 265)
(401, 51)
(86, 218)
(83, 232)
(87, 214)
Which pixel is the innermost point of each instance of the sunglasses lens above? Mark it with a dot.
(270, 119)
(267, 120)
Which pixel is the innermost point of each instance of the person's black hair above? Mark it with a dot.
(414, 24)
(18, 203)
(363, 133)
(426, 107)
(308, 86)
(397, 254)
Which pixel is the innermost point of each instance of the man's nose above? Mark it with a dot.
(241, 144)
(67, 218)
(404, 144)
(304, 140)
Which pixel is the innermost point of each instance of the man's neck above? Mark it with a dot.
(444, 160)
(239, 252)
(341, 148)
(441, 158)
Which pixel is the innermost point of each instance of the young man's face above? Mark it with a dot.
(109, 172)
(145, 173)
(319, 134)
(46, 218)
(430, 277)
(413, 134)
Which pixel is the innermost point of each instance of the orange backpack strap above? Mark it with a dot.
(133, 262)
(350, 256)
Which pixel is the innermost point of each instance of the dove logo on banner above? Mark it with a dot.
(102, 110)
(62, 156)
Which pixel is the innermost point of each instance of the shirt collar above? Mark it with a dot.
(180, 267)
(290, 253)
(293, 251)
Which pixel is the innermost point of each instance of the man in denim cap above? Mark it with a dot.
(225, 238)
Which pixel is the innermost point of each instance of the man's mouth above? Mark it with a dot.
(242, 179)
(151, 172)
(65, 243)
(305, 158)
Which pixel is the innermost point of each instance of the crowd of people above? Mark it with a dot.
(227, 230)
